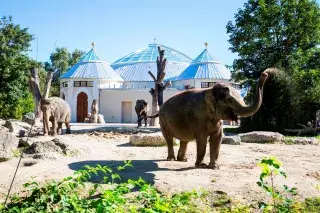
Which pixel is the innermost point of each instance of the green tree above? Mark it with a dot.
(15, 98)
(278, 33)
(60, 61)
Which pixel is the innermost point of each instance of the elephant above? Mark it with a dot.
(57, 111)
(197, 114)
(142, 111)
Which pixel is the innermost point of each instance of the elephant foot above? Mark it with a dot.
(45, 134)
(201, 165)
(182, 159)
(169, 158)
(213, 166)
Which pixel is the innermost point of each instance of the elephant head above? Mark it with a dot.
(229, 105)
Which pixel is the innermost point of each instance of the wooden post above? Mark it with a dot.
(159, 87)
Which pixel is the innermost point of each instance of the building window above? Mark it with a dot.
(207, 84)
(89, 83)
(83, 84)
(65, 84)
(204, 84)
(76, 83)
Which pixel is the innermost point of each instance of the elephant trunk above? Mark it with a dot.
(246, 111)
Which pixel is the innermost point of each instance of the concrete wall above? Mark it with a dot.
(110, 102)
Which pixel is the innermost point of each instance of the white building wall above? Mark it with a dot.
(181, 84)
(111, 102)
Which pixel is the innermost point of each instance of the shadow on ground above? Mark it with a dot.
(141, 168)
(118, 129)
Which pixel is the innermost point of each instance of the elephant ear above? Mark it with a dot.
(220, 92)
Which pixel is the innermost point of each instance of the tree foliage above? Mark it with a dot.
(15, 99)
(60, 61)
(285, 34)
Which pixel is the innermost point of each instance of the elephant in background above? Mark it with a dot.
(142, 111)
(198, 114)
(57, 111)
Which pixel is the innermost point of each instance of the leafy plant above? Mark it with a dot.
(271, 168)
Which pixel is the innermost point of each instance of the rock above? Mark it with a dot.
(28, 118)
(232, 140)
(48, 149)
(303, 140)
(261, 137)
(8, 143)
(24, 143)
(153, 139)
(15, 128)
(12, 127)
(101, 119)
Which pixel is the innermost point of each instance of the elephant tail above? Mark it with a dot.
(146, 116)
(153, 116)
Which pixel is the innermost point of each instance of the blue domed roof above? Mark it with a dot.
(135, 66)
(91, 66)
(205, 67)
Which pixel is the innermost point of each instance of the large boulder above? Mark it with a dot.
(152, 139)
(303, 141)
(15, 127)
(231, 140)
(261, 137)
(48, 149)
(8, 143)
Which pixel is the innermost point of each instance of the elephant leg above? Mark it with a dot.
(215, 142)
(45, 126)
(139, 121)
(55, 126)
(201, 151)
(182, 151)
(145, 121)
(59, 128)
(68, 128)
(169, 140)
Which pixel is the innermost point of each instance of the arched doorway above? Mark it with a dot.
(82, 106)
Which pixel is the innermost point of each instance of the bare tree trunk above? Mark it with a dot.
(157, 92)
(48, 84)
(35, 90)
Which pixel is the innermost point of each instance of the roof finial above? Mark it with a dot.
(154, 40)
(206, 44)
(93, 44)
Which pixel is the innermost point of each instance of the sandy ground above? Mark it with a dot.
(237, 176)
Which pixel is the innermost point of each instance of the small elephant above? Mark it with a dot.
(142, 111)
(57, 111)
(198, 114)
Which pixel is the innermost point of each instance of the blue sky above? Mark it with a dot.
(121, 27)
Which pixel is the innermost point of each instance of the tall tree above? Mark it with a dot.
(60, 61)
(269, 33)
(15, 99)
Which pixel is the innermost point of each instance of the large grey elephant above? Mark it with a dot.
(57, 111)
(198, 114)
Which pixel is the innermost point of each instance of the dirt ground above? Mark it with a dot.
(237, 176)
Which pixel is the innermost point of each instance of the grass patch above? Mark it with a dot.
(74, 194)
